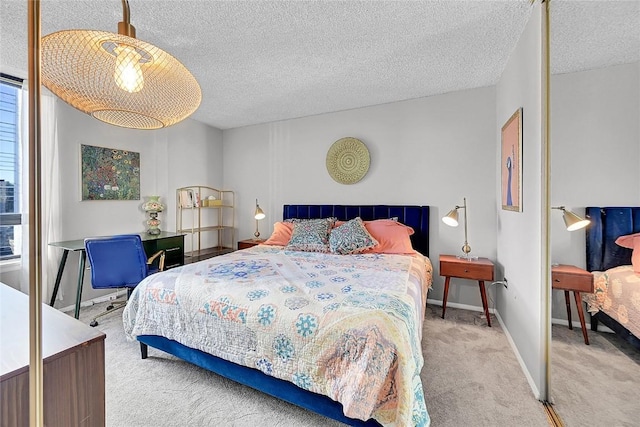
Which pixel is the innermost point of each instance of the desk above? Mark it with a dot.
(73, 366)
(171, 243)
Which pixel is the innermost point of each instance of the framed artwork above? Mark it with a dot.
(511, 163)
(109, 173)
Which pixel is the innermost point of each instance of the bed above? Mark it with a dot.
(616, 300)
(338, 334)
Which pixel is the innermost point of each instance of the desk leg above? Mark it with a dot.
(576, 294)
(567, 302)
(446, 292)
(63, 261)
(83, 257)
(483, 295)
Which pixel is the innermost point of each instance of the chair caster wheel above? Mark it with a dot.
(93, 323)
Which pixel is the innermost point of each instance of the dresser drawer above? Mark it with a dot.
(571, 278)
(170, 244)
(475, 270)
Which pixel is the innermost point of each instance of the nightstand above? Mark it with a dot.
(480, 269)
(571, 278)
(249, 243)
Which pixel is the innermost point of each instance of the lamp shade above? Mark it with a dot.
(573, 221)
(153, 205)
(259, 212)
(451, 219)
(117, 78)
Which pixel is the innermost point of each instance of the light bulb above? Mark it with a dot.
(128, 74)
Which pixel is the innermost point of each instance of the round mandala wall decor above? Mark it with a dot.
(348, 160)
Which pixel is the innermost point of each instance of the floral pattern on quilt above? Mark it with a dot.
(345, 326)
(617, 293)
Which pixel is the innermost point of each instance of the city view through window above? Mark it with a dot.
(10, 217)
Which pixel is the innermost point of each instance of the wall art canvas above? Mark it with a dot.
(511, 163)
(109, 173)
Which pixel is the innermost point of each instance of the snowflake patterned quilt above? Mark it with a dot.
(345, 326)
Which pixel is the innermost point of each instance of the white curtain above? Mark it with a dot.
(50, 191)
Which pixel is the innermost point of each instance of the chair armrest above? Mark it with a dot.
(153, 257)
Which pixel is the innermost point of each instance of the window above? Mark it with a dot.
(10, 212)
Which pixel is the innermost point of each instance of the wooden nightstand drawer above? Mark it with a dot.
(244, 244)
(480, 269)
(571, 278)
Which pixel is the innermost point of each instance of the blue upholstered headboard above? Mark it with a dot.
(416, 217)
(607, 224)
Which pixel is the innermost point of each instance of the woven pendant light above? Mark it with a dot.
(117, 78)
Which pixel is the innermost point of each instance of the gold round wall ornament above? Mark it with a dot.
(348, 160)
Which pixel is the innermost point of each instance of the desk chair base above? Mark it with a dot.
(113, 306)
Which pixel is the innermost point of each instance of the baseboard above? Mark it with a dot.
(563, 322)
(461, 306)
(104, 298)
(523, 366)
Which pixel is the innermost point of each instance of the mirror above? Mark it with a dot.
(595, 153)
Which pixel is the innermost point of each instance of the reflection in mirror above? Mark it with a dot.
(595, 154)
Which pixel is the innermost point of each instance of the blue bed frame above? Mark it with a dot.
(416, 217)
(607, 224)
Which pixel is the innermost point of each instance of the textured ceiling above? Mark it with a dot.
(263, 61)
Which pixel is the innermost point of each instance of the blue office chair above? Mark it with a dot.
(119, 262)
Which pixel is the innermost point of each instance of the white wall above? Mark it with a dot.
(428, 151)
(595, 152)
(184, 154)
(519, 234)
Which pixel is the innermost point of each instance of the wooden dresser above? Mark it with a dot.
(73, 366)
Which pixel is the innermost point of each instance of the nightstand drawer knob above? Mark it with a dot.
(466, 271)
(557, 280)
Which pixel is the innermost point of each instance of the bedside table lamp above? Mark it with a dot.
(571, 220)
(258, 216)
(451, 219)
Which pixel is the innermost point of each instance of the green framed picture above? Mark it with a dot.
(109, 173)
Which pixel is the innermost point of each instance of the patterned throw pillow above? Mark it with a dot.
(350, 237)
(311, 235)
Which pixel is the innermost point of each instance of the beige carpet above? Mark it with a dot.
(596, 384)
(471, 378)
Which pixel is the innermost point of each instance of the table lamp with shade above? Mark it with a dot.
(451, 219)
(258, 215)
(153, 206)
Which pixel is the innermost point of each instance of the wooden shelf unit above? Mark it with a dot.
(209, 224)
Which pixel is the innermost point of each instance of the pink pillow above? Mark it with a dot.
(281, 235)
(392, 237)
(631, 241)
